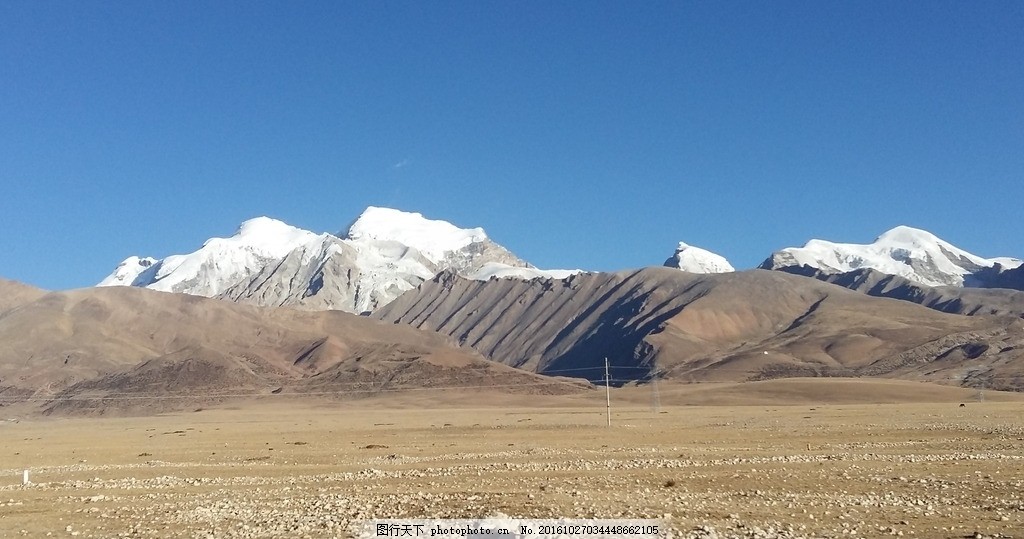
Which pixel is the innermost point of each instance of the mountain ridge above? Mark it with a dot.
(912, 253)
(268, 262)
(386, 252)
(134, 350)
(949, 299)
(745, 325)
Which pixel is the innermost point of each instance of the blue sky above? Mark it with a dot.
(578, 134)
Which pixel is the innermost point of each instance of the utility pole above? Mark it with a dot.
(655, 397)
(608, 391)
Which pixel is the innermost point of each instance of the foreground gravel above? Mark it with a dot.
(739, 473)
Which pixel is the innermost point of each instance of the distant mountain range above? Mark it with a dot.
(448, 307)
(912, 265)
(137, 351)
(386, 252)
(914, 254)
(747, 325)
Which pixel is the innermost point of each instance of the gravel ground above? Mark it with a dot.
(931, 471)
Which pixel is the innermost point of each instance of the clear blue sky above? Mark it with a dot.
(578, 134)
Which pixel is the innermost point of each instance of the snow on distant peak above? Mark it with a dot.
(218, 264)
(129, 271)
(384, 253)
(696, 260)
(909, 252)
(1008, 263)
(267, 236)
(433, 238)
(907, 235)
(504, 271)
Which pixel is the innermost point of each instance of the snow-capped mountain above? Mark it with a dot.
(908, 252)
(434, 239)
(696, 260)
(384, 253)
(131, 271)
(217, 264)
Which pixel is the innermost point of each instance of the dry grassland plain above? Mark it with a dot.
(775, 459)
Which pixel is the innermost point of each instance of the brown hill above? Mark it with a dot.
(134, 350)
(948, 299)
(725, 327)
(14, 294)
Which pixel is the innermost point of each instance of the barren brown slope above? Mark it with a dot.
(14, 294)
(727, 327)
(948, 299)
(133, 349)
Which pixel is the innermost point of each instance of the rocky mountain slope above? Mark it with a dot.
(128, 349)
(949, 299)
(387, 252)
(733, 326)
(911, 253)
(382, 254)
(1000, 277)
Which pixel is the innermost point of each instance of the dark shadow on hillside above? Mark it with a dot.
(947, 299)
(618, 336)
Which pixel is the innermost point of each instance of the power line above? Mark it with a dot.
(360, 388)
(546, 371)
(608, 391)
(281, 394)
(655, 397)
(350, 389)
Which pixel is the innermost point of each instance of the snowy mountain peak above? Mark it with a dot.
(265, 236)
(262, 225)
(907, 235)
(129, 271)
(433, 238)
(384, 253)
(218, 264)
(909, 252)
(696, 260)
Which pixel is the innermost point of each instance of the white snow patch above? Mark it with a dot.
(504, 271)
(432, 238)
(696, 260)
(1007, 263)
(128, 271)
